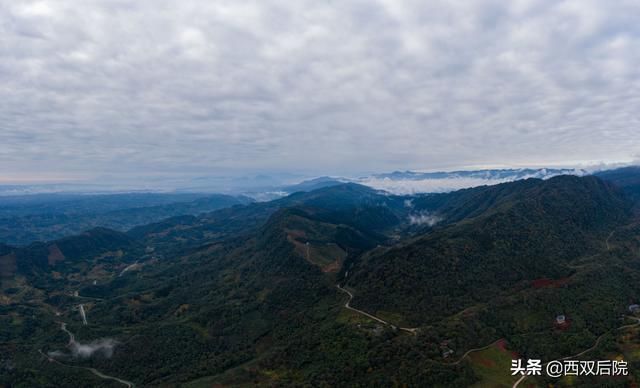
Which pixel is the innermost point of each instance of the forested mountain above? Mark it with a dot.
(247, 294)
(511, 233)
(29, 218)
(627, 178)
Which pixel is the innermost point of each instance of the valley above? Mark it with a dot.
(330, 286)
(319, 194)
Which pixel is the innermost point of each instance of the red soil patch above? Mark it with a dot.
(502, 344)
(486, 362)
(544, 282)
(562, 326)
(333, 267)
(296, 234)
(55, 255)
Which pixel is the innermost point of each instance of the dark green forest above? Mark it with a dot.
(246, 295)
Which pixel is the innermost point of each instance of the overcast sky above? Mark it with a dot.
(152, 88)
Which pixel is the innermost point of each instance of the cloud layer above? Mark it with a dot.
(152, 88)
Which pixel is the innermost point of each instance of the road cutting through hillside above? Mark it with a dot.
(412, 330)
(72, 338)
(83, 314)
(609, 238)
(92, 370)
(472, 351)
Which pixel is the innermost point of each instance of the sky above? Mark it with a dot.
(148, 89)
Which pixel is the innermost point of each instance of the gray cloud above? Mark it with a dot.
(152, 87)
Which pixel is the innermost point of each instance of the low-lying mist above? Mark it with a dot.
(103, 347)
(424, 218)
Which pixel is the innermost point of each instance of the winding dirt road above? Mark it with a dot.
(92, 370)
(412, 330)
(471, 351)
(63, 327)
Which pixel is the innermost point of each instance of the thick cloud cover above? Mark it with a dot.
(117, 88)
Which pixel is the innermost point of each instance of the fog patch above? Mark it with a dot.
(56, 354)
(266, 196)
(411, 187)
(424, 218)
(100, 347)
(411, 182)
(103, 347)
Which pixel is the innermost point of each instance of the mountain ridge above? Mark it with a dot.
(247, 294)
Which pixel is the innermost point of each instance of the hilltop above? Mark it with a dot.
(247, 294)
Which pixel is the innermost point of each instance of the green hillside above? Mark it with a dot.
(247, 295)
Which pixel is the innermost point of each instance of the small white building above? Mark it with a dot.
(561, 319)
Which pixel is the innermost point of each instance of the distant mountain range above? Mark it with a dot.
(263, 187)
(411, 182)
(28, 218)
(340, 285)
(52, 211)
(492, 174)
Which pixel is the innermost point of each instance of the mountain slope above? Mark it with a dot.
(246, 295)
(530, 230)
(46, 217)
(627, 178)
(38, 260)
(352, 204)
